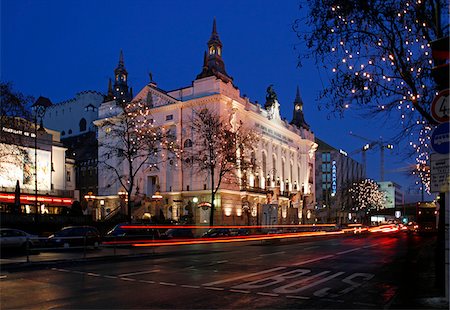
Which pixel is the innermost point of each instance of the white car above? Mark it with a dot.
(11, 238)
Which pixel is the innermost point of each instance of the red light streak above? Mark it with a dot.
(9, 198)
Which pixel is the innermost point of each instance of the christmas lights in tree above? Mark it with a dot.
(378, 58)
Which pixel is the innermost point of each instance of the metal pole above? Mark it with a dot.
(36, 215)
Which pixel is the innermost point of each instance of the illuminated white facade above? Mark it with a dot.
(285, 154)
(55, 172)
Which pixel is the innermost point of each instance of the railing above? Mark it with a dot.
(112, 213)
(253, 189)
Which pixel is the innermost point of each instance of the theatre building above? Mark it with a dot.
(279, 190)
(34, 169)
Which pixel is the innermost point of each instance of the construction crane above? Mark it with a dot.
(373, 144)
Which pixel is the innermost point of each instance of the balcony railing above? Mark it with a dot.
(252, 189)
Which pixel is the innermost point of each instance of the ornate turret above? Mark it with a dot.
(298, 117)
(119, 91)
(213, 64)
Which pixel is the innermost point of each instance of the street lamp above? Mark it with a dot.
(39, 112)
(90, 198)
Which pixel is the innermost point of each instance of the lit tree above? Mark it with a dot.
(14, 108)
(133, 142)
(220, 149)
(379, 58)
(366, 195)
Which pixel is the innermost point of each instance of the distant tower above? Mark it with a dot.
(213, 64)
(298, 117)
(119, 91)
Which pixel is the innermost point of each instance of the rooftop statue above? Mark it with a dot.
(271, 95)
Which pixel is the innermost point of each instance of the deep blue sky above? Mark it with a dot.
(56, 48)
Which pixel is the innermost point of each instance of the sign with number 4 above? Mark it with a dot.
(440, 107)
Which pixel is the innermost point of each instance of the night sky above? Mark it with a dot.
(57, 48)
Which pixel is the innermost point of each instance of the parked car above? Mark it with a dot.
(75, 236)
(177, 233)
(217, 232)
(123, 233)
(16, 239)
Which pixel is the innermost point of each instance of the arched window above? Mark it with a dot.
(63, 133)
(70, 131)
(188, 143)
(82, 125)
(264, 164)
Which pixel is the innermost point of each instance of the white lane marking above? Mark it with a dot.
(190, 286)
(297, 297)
(311, 247)
(370, 246)
(267, 294)
(314, 260)
(243, 277)
(239, 291)
(214, 288)
(348, 251)
(167, 283)
(128, 279)
(2, 276)
(109, 277)
(276, 253)
(93, 274)
(291, 287)
(136, 273)
(147, 281)
(222, 261)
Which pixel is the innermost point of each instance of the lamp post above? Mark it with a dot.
(90, 198)
(39, 112)
(122, 194)
(156, 197)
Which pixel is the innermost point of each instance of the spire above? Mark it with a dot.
(121, 64)
(214, 29)
(298, 117)
(213, 64)
(120, 90)
(110, 94)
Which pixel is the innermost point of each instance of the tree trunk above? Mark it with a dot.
(211, 215)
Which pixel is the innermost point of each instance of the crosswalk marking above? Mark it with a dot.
(244, 276)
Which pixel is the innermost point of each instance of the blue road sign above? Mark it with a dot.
(440, 139)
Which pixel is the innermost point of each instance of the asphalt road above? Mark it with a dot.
(345, 272)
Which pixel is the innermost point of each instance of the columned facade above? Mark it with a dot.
(278, 190)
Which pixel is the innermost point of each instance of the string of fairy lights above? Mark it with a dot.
(390, 71)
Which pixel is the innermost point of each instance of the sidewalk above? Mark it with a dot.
(419, 290)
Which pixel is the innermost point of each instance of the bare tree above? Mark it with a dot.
(132, 142)
(377, 55)
(219, 150)
(15, 117)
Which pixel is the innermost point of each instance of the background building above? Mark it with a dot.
(26, 148)
(335, 172)
(394, 197)
(74, 119)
